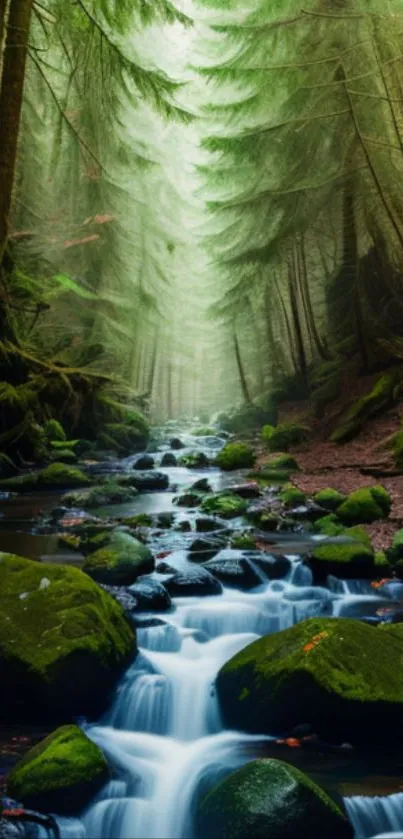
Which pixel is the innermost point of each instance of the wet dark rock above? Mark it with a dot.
(146, 621)
(184, 526)
(144, 461)
(165, 520)
(306, 512)
(189, 499)
(233, 569)
(150, 595)
(165, 568)
(274, 567)
(263, 517)
(193, 582)
(207, 525)
(169, 459)
(177, 444)
(149, 481)
(194, 460)
(203, 549)
(247, 490)
(122, 595)
(201, 486)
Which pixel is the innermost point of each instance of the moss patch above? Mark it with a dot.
(284, 461)
(279, 438)
(270, 798)
(120, 562)
(63, 641)
(380, 397)
(226, 506)
(365, 505)
(292, 497)
(55, 476)
(61, 774)
(340, 675)
(100, 496)
(54, 431)
(235, 456)
(329, 499)
(346, 560)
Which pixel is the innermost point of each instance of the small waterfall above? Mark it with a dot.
(375, 816)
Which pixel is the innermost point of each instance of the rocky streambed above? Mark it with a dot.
(209, 652)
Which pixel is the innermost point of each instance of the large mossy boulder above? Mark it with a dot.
(101, 495)
(235, 456)
(279, 438)
(270, 798)
(224, 505)
(55, 476)
(342, 676)
(330, 499)
(353, 559)
(120, 561)
(64, 642)
(61, 774)
(365, 505)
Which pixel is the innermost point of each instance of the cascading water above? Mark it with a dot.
(375, 816)
(163, 736)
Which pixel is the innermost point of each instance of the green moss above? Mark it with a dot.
(380, 397)
(382, 562)
(100, 496)
(397, 545)
(65, 456)
(60, 774)
(141, 520)
(204, 431)
(328, 525)
(194, 460)
(63, 640)
(271, 477)
(284, 461)
(329, 499)
(243, 541)
(396, 444)
(235, 456)
(225, 505)
(189, 499)
(55, 476)
(337, 674)
(54, 431)
(129, 435)
(279, 438)
(292, 497)
(365, 505)
(349, 559)
(270, 798)
(121, 561)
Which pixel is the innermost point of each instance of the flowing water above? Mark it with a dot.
(163, 736)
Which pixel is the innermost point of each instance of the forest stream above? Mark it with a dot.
(163, 736)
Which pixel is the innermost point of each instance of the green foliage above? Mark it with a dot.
(54, 431)
(235, 456)
(61, 773)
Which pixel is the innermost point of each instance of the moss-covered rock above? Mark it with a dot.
(270, 477)
(120, 561)
(347, 560)
(203, 431)
(340, 675)
(270, 798)
(284, 462)
(129, 435)
(190, 498)
(329, 499)
(329, 525)
(235, 456)
(292, 497)
(194, 460)
(365, 505)
(63, 641)
(55, 476)
(54, 431)
(225, 505)
(61, 774)
(279, 438)
(396, 551)
(243, 542)
(378, 399)
(65, 456)
(99, 496)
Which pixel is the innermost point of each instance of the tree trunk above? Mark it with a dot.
(11, 94)
(351, 263)
(3, 15)
(302, 363)
(242, 377)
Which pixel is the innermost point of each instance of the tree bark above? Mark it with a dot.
(302, 362)
(11, 95)
(244, 384)
(3, 15)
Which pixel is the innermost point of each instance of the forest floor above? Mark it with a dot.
(362, 462)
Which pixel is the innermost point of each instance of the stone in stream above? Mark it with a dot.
(233, 569)
(169, 459)
(348, 560)
(64, 642)
(143, 462)
(274, 567)
(194, 460)
(247, 490)
(177, 444)
(270, 798)
(224, 504)
(340, 675)
(147, 481)
(120, 561)
(101, 495)
(201, 485)
(207, 525)
(192, 582)
(61, 774)
(150, 595)
(203, 549)
(189, 499)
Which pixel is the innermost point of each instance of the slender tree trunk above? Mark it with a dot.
(287, 323)
(3, 16)
(11, 94)
(151, 375)
(242, 377)
(351, 263)
(302, 363)
(270, 337)
(308, 304)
